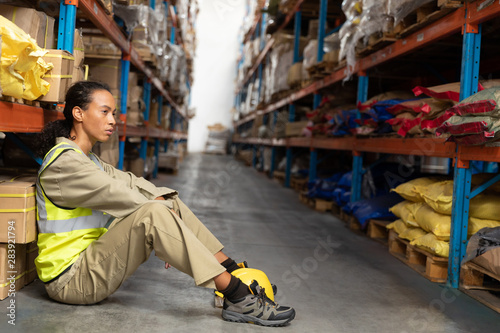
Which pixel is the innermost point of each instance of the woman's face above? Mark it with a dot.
(99, 118)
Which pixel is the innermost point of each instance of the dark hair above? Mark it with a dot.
(79, 94)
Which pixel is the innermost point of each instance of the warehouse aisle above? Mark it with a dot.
(338, 281)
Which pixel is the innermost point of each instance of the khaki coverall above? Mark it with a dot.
(142, 224)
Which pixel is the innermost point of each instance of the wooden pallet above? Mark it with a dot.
(481, 284)
(375, 43)
(11, 99)
(298, 184)
(425, 263)
(279, 176)
(426, 15)
(321, 69)
(377, 230)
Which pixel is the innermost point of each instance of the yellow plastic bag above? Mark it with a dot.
(431, 221)
(430, 243)
(412, 233)
(409, 189)
(404, 210)
(398, 209)
(476, 224)
(398, 226)
(22, 68)
(439, 196)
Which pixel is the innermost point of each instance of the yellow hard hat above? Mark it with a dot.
(251, 275)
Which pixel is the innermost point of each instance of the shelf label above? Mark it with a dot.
(96, 9)
(420, 37)
(404, 42)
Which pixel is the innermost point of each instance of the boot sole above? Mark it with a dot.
(241, 318)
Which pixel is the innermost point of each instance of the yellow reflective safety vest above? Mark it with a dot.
(63, 232)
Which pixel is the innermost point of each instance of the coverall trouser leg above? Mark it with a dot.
(176, 236)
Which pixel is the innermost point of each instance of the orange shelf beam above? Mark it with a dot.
(448, 25)
(20, 118)
(476, 16)
(479, 153)
(409, 146)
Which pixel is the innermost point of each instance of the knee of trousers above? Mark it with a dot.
(152, 211)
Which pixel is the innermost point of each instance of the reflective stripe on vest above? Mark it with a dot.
(54, 219)
(64, 232)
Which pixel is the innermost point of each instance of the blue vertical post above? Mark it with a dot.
(172, 29)
(289, 155)
(258, 33)
(66, 32)
(157, 140)
(254, 156)
(263, 31)
(125, 69)
(147, 101)
(357, 158)
(321, 27)
(291, 108)
(296, 42)
(471, 51)
(313, 160)
(273, 149)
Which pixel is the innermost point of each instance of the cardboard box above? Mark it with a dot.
(105, 70)
(490, 260)
(295, 128)
(135, 117)
(12, 269)
(78, 49)
(60, 77)
(136, 166)
(18, 211)
(31, 254)
(78, 74)
(37, 24)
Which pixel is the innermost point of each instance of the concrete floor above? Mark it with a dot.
(337, 281)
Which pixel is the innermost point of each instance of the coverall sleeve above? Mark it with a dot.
(146, 188)
(73, 180)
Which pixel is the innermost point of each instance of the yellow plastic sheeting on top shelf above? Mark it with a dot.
(22, 67)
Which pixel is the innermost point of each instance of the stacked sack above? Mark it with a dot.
(475, 121)
(424, 114)
(425, 215)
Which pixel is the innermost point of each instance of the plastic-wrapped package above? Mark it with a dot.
(352, 9)
(310, 54)
(331, 43)
(399, 9)
(373, 19)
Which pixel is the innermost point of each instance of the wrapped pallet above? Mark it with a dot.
(217, 141)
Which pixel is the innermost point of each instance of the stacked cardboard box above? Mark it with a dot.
(37, 24)
(18, 234)
(100, 46)
(105, 70)
(79, 55)
(60, 77)
(135, 103)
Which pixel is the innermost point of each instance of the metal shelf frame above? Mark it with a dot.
(21, 118)
(467, 20)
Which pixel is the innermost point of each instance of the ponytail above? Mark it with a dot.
(79, 94)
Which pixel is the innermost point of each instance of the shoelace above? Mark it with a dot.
(263, 299)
